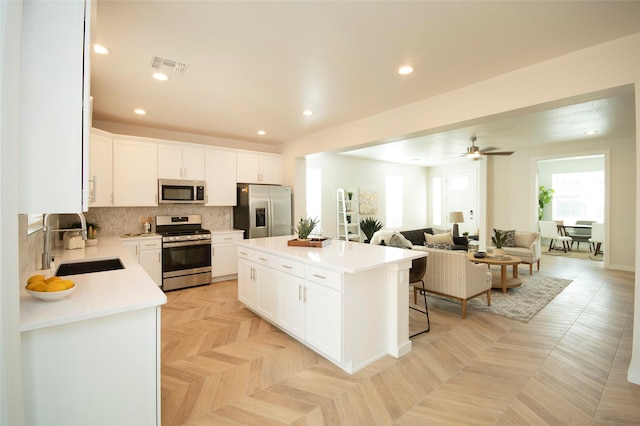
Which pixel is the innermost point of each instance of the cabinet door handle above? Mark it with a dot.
(305, 295)
(264, 259)
(287, 266)
(213, 251)
(244, 253)
(320, 276)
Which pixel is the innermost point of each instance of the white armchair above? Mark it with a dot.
(451, 274)
(526, 247)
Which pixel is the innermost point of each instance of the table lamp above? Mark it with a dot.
(455, 218)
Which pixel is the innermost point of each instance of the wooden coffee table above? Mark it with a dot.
(503, 282)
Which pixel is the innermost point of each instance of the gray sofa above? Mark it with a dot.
(417, 238)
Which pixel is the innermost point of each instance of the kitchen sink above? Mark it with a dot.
(89, 266)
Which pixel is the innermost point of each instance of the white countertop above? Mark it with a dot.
(340, 256)
(97, 294)
(227, 231)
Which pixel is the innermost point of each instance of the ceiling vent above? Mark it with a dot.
(168, 66)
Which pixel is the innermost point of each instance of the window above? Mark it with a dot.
(394, 202)
(436, 199)
(34, 222)
(314, 198)
(578, 196)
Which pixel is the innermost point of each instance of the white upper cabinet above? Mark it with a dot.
(220, 175)
(100, 171)
(54, 106)
(259, 168)
(177, 162)
(135, 173)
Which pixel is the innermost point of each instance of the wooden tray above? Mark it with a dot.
(313, 242)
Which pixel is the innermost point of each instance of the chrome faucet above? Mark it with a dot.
(46, 252)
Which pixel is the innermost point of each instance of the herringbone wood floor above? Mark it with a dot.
(223, 365)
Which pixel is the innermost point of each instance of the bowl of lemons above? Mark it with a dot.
(49, 289)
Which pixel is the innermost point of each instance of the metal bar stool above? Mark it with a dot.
(416, 274)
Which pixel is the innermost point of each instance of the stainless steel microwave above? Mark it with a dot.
(172, 191)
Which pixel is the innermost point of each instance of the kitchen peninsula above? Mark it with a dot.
(94, 356)
(347, 301)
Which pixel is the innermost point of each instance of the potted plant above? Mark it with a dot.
(544, 197)
(305, 227)
(92, 234)
(350, 195)
(499, 239)
(370, 226)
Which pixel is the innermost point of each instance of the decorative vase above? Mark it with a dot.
(498, 252)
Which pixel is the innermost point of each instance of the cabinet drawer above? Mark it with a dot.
(265, 259)
(290, 267)
(323, 277)
(225, 238)
(156, 243)
(245, 253)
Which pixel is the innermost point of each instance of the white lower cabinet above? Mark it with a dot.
(292, 293)
(246, 278)
(267, 292)
(224, 257)
(323, 319)
(148, 252)
(304, 301)
(104, 370)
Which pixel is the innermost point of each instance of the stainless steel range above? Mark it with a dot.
(186, 251)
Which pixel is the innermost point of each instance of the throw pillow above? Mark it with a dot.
(445, 238)
(398, 240)
(511, 237)
(440, 246)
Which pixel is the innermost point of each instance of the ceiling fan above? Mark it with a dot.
(475, 153)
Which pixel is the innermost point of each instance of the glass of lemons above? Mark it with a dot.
(49, 289)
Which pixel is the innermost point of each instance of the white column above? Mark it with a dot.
(398, 290)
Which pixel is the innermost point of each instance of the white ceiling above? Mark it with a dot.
(258, 65)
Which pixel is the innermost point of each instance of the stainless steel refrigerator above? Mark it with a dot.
(263, 210)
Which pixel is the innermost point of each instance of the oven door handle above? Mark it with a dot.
(186, 243)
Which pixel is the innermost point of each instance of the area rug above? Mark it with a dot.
(520, 303)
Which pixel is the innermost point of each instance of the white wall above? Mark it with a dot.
(340, 171)
(11, 407)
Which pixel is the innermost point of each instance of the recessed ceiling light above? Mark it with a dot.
(100, 49)
(307, 112)
(140, 111)
(590, 132)
(405, 70)
(262, 132)
(160, 76)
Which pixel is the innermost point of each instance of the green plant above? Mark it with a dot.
(305, 227)
(92, 229)
(370, 226)
(499, 239)
(350, 194)
(544, 197)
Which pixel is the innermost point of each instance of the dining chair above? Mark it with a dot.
(549, 229)
(581, 235)
(597, 238)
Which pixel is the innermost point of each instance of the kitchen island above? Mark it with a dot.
(94, 356)
(347, 301)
